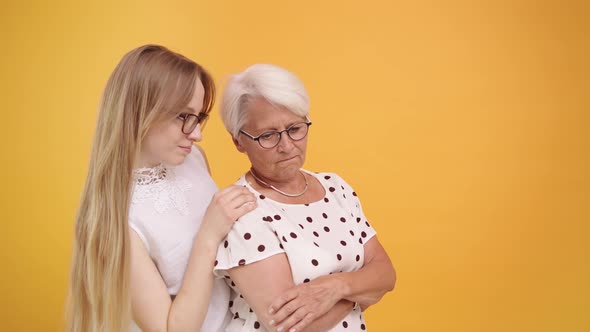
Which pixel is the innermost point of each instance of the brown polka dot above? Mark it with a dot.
(327, 177)
(236, 316)
(343, 243)
(293, 235)
(326, 229)
(306, 280)
(358, 219)
(281, 246)
(261, 248)
(256, 325)
(363, 234)
(301, 226)
(360, 240)
(309, 219)
(339, 257)
(231, 303)
(325, 216)
(344, 324)
(262, 197)
(316, 245)
(354, 193)
(306, 204)
(314, 262)
(225, 244)
(342, 219)
(351, 233)
(341, 186)
(216, 262)
(363, 327)
(332, 189)
(316, 234)
(241, 262)
(367, 223)
(284, 239)
(233, 284)
(247, 236)
(326, 199)
(267, 218)
(358, 258)
(277, 217)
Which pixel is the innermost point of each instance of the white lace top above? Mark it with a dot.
(166, 209)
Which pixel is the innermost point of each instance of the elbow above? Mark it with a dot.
(392, 279)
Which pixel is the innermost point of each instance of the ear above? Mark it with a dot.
(238, 145)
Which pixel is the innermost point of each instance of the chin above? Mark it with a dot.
(175, 161)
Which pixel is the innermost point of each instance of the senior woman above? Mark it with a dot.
(306, 259)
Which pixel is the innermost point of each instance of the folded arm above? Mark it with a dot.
(365, 287)
(262, 282)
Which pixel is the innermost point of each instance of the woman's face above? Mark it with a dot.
(166, 143)
(283, 161)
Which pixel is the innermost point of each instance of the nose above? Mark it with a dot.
(196, 135)
(285, 143)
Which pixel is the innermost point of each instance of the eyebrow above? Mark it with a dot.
(192, 110)
(266, 129)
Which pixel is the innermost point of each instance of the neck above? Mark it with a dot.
(145, 162)
(291, 188)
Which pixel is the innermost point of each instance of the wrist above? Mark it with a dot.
(205, 242)
(342, 285)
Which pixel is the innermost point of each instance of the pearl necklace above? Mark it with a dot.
(278, 190)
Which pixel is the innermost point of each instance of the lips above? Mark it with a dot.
(288, 159)
(185, 148)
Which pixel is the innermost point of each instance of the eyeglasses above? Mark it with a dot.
(190, 121)
(271, 138)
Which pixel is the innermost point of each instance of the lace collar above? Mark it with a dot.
(150, 175)
(162, 187)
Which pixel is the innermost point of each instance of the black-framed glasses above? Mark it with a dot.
(190, 121)
(271, 138)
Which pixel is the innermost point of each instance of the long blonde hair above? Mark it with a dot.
(150, 84)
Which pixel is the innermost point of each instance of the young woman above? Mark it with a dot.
(150, 218)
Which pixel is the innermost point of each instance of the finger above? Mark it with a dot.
(303, 323)
(223, 197)
(286, 310)
(283, 299)
(293, 320)
(242, 210)
(240, 200)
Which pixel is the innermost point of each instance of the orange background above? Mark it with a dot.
(463, 126)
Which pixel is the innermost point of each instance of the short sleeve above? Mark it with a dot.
(140, 230)
(251, 239)
(351, 199)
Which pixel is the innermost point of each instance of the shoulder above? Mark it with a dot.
(203, 155)
(197, 158)
(329, 178)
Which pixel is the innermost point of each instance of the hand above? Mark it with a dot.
(227, 205)
(301, 305)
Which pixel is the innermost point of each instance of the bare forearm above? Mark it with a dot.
(367, 285)
(189, 308)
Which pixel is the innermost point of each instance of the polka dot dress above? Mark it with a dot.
(319, 238)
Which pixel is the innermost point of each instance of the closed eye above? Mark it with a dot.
(268, 135)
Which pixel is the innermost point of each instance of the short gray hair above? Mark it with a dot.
(276, 85)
